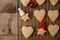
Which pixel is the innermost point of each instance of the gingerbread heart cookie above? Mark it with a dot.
(53, 15)
(54, 2)
(39, 14)
(40, 2)
(25, 2)
(53, 29)
(27, 31)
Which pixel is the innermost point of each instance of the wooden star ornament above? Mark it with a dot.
(41, 31)
(25, 17)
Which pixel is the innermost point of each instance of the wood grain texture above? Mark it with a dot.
(8, 37)
(35, 23)
(7, 6)
(8, 26)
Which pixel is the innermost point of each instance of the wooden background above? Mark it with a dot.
(35, 23)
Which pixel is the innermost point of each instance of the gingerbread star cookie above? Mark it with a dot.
(41, 31)
(25, 17)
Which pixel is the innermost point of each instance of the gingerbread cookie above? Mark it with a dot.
(25, 17)
(25, 2)
(53, 15)
(53, 29)
(27, 31)
(40, 2)
(54, 2)
(41, 31)
(39, 14)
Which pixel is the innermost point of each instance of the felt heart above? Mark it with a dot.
(54, 2)
(40, 2)
(32, 4)
(39, 14)
(53, 15)
(53, 29)
(25, 2)
(43, 25)
(27, 31)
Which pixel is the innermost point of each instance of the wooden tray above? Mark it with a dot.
(35, 23)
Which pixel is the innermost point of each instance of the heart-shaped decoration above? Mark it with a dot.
(53, 29)
(53, 15)
(43, 25)
(27, 31)
(40, 2)
(32, 4)
(39, 14)
(54, 2)
(25, 2)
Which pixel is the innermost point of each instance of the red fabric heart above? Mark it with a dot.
(43, 25)
(32, 4)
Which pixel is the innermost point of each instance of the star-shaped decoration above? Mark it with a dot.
(25, 17)
(41, 31)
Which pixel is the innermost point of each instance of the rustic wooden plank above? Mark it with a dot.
(8, 6)
(8, 26)
(8, 23)
(9, 37)
(35, 24)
